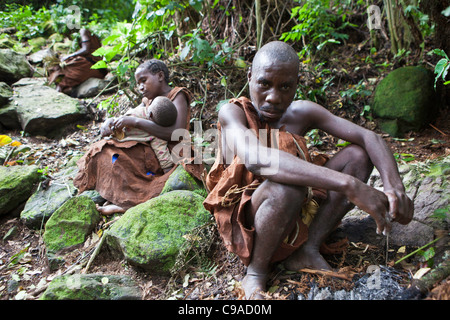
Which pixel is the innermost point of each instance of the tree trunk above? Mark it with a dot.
(404, 33)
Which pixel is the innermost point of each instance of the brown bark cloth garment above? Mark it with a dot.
(232, 185)
(76, 70)
(126, 173)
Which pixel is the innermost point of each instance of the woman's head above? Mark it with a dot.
(152, 77)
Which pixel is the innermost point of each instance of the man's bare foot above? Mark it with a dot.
(109, 209)
(254, 285)
(306, 258)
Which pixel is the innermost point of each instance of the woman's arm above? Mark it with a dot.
(152, 128)
(85, 45)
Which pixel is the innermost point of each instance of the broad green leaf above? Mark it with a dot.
(111, 38)
(99, 65)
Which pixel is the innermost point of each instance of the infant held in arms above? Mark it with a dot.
(164, 113)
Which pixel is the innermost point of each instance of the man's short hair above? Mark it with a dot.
(277, 51)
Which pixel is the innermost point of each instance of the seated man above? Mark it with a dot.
(264, 183)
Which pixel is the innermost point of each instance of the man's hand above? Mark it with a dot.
(372, 201)
(401, 208)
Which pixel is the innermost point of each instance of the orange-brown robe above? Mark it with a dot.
(125, 173)
(227, 202)
(77, 69)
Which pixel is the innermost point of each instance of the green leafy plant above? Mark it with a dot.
(355, 92)
(405, 157)
(317, 25)
(313, 138)
(442, 66)
(28, 22)
(201, 51)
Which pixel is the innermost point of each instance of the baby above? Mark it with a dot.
(164, 113)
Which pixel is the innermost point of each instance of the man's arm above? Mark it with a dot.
(294, 171)
(401, 208)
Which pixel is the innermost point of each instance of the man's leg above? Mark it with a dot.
(275, 206)
(354, 161)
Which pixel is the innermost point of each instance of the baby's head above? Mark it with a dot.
(163, 111)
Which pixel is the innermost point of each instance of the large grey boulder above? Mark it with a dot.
(41, 110)
(40, 55)
(13, 66)
(180, 179)
(16, 186)
(89, 88)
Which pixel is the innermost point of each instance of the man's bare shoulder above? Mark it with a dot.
(301, 106)
(230, 113)
(302, 115)
(303, 110)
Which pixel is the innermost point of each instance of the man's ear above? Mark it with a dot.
(249, 74)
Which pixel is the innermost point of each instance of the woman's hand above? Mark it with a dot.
(124, 121)
(107, 127)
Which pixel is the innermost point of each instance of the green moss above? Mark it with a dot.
(151, 234)
(16, 185)
(180, 179)
(70, 224)
(406, 97)
(92, 287)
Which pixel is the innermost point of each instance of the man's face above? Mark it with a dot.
(272, 86)
(148, 84)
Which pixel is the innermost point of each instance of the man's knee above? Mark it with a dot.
(281, 195)
(359, 163)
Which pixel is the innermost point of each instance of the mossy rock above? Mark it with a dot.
(92, 287)
(16, 185)
(150, 235)
(36, 43)
(13, 66)
(5, 93)
(180, 179)
(41, 205)
(70, 224)
(405, 100)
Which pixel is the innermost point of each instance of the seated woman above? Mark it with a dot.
(127, 173)
(75, 68)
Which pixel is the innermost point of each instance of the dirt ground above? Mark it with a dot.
(24, 271)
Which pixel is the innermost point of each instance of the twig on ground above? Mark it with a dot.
(327, 273)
